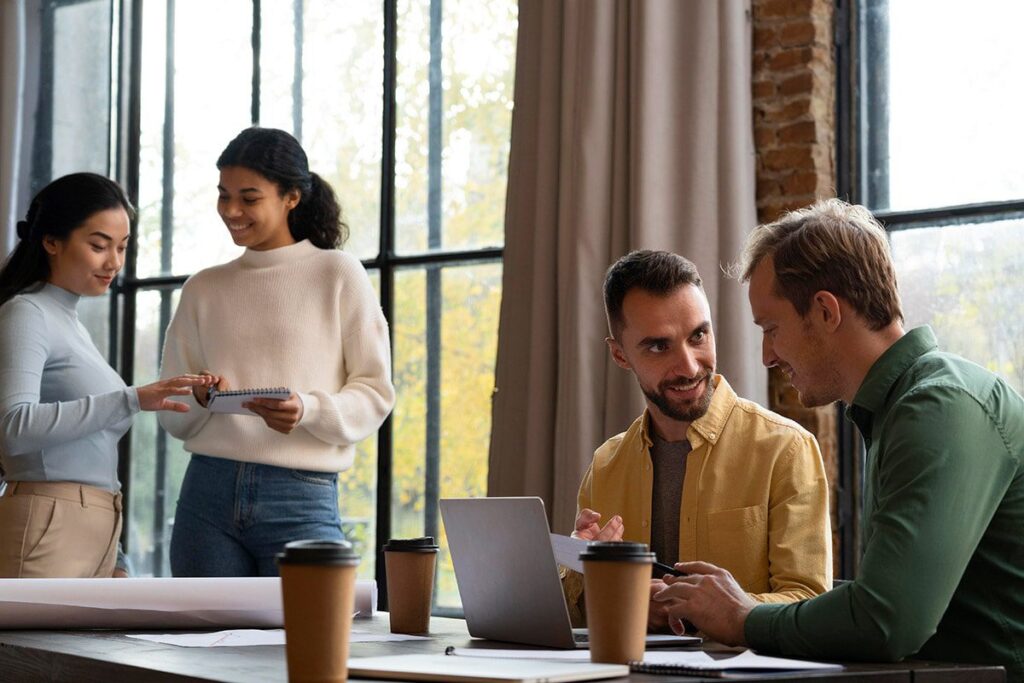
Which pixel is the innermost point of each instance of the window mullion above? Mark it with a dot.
(874, 113)
(387, 276)
(951, 215)
(257, 46)
(126, 290)
(297, 75)
(432, 478)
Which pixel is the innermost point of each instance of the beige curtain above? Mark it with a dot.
(12, 95)
(632, 129)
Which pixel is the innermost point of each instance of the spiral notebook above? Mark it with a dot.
(231, 401)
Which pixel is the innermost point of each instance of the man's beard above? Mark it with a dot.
(687, 411)
(819, 383)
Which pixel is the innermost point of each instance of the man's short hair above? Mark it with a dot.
(831, 246)
(656, 272)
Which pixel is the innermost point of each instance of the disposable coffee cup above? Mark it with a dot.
(409, 564)
(318, 583)
(616, 588)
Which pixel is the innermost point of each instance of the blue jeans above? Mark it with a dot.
(234, 517)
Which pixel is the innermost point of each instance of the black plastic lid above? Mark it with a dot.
(411, 545)
(617, 551)
(318, 552)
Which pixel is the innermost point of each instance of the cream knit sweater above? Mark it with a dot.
(297, 316)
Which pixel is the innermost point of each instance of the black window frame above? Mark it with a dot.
(41, 155)
(860, 27)
(123, 306)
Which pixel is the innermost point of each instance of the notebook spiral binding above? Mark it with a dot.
(257, 390)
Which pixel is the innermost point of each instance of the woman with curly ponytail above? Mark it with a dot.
(292, 311)
(62, 407)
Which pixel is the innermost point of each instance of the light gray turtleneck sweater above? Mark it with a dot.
(62, 407)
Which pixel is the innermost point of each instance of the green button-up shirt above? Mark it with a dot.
(942, 571)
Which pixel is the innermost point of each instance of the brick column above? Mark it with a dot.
(794, 136)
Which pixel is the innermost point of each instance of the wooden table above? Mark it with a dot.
(106, 656)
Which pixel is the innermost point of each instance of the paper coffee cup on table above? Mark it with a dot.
(616, 588)
(318, 580)
(409, 564)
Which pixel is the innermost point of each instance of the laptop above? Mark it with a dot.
(507, 576)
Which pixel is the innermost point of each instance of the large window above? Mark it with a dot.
(935, 146)
(404, 106)
(71, 93)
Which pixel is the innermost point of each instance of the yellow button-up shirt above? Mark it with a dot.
(755, 499)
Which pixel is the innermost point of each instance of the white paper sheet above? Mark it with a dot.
(747, 659)
(246, 637)
(441, 668)
(138, 603)
(233, 638)
(567, 551)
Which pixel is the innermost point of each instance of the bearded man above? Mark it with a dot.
(702, 474)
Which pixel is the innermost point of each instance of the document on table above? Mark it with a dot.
(148, 603)
(567, 551)
(233, 638)
(247, 637)
(449, 669)
(662, 661)
(745, 663)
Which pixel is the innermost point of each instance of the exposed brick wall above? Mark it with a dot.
(794, 135)
(794, 102)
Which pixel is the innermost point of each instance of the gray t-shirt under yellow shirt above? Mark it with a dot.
(62, 407)
(669, 461)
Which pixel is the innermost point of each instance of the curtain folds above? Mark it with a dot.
(632, 129)
(12, 93)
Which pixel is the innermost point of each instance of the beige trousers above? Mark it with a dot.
(58, 530)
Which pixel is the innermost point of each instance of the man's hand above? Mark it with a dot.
(710, 599)
(657, 615)
(589, 529)
(280, 415)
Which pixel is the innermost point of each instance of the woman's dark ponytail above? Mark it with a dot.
(56, 211)
(278, 157)
(26, 265)
(318, 216)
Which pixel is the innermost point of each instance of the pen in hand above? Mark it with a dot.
(659, 569)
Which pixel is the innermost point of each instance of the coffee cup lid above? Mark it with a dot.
(424, 544)
(318, 552)
(617, 551)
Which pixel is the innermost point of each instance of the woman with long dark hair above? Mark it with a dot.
(292, 311)
(62, 407)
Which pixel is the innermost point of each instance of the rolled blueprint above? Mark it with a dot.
(250, 602)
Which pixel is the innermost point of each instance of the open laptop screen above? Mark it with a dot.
(506, 570)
